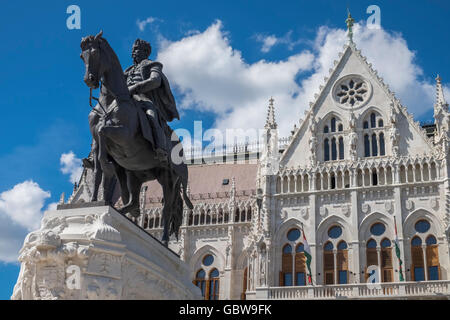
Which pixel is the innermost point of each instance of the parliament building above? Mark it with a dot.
(363, 184)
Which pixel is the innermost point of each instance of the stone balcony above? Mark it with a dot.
(394, 290)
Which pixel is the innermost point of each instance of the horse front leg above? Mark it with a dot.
(97, 172)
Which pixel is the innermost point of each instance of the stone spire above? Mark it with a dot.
(270, 121)
(440, 99)
(350, 21)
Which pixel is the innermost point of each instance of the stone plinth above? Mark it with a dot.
(97, 253)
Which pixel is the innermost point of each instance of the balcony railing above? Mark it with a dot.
(392, 290)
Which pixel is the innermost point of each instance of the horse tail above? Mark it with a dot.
(176, 216)
(185, 196)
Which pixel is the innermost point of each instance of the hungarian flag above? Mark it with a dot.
(397, 251)
(307, 252)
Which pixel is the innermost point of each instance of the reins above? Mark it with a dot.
(105, 114)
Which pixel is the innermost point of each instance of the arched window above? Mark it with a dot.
(432, 258)
(371, 255)
(387, 272)
(286, 266)
(237, 214)
(202, 217)
(328, 263)
(342, 262)
(373, 120)
(374, 145)
(366, 146)
(213, 285)
(209, 285)
(382, 148)
(300, 265)
(200, 281)
(293, 268)
(333, 149)
(326, 150)
(333, 124)
(151, 223)
(417, 267)
(341, 148)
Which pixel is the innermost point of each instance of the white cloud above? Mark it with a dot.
(213, 76)
(21, 210)
(72, 165)
(143, 23)
(23, 204)
(267, 42)
(271, 40)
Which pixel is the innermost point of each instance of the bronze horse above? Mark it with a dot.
(120, 147)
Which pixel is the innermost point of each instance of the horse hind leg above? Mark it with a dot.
(134, 188)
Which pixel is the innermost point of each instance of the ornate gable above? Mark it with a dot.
(355, 116)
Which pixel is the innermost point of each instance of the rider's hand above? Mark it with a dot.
(133, 89)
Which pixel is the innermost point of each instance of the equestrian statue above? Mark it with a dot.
(131, 139)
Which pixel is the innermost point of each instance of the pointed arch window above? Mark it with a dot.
(374, 135)
(366, 146)
(417, 267)
(333, 149)
(286, 266)
(333, 124)
(328, 263)
(373, 120)
(374, 145)
(342, 262)
(326, 150)
(382, 147)
(432, 253)
(213, 285)
(200, 281)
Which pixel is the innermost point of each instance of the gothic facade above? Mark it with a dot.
(371, 175)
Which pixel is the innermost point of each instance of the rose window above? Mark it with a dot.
(352, 92)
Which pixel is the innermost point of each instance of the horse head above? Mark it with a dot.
(91, 48)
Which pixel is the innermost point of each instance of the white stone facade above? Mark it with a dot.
(367, 163)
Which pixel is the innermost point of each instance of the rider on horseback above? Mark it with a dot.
(150, 88)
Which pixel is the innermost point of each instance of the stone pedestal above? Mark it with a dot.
(97, 253)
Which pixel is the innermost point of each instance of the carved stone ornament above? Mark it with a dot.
(388, 206)
(81, 254)
(365, 208)
(352, 91)
(434, 203)
(323, 212)
(304, 213)
(409, 204)
(346, 211)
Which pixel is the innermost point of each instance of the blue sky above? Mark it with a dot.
(45, 103)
